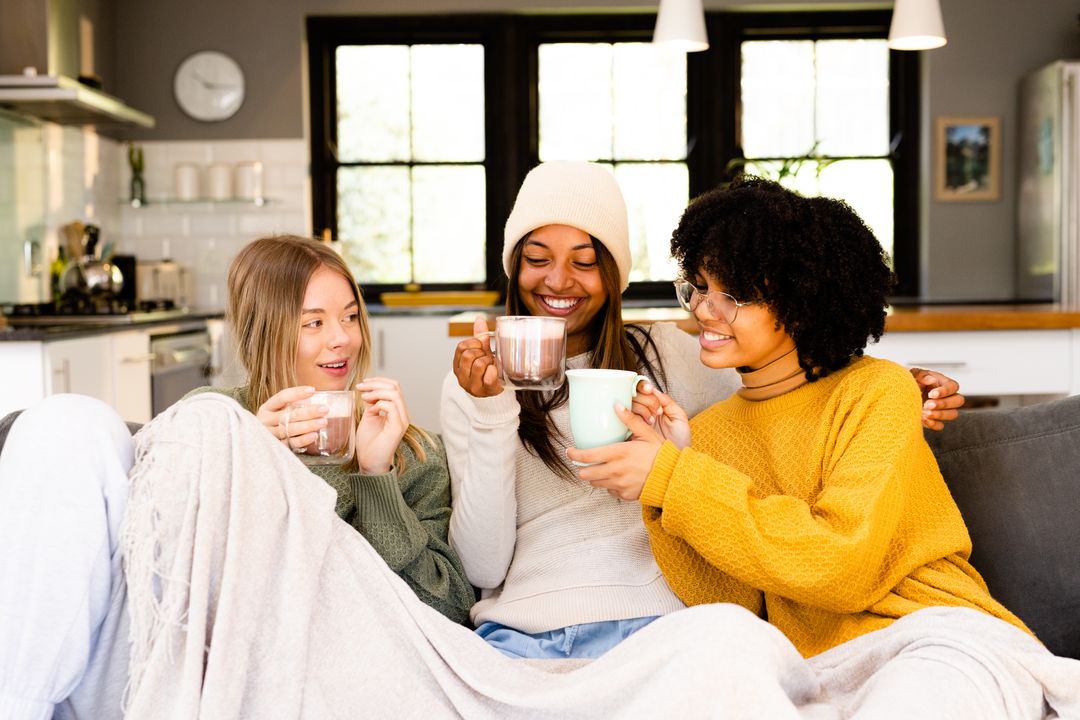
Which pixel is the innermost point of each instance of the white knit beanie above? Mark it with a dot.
(579, 194)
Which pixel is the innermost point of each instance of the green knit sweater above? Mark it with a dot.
(404, 516)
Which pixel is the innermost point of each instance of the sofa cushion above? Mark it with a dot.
(1015, 474)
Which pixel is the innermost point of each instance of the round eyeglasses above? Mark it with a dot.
(720, 304)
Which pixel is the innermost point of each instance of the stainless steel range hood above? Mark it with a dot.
(44, 46)
(61, 100)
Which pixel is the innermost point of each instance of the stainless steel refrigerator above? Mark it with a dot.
(1048, 188)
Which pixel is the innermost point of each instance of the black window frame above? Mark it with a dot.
(728, 30)
(511, 45)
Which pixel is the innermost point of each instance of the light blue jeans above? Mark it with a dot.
(588, 640)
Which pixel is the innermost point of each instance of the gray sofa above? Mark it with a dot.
(1015, 475)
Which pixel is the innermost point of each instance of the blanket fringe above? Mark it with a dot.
(146, 566)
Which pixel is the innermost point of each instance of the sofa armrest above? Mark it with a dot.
(8, 420)
(5, 426)
(1015, 475)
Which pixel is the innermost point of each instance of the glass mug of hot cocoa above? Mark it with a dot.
(334, 444)
(531, 351)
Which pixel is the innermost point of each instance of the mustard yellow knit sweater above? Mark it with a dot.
(822, 510)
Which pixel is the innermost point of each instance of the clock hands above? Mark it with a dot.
(210, 85)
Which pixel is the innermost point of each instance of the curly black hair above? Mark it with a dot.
(812, 261)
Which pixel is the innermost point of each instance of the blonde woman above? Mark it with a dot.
(300, 325)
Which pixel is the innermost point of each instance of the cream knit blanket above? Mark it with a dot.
(249, 598)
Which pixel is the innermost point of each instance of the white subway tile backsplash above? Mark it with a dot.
(259, 224)
(160, 222)
(214, 222)
(207, 235)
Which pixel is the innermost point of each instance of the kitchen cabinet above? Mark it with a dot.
(79, 366)
(993, 362)
(415, 351)
(113, 367)
(130, 364)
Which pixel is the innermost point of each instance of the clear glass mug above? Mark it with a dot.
(335, 443)
(530, 351)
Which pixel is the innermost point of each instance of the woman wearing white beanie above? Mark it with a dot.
(564, 570)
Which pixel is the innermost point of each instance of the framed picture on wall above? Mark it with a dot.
(967, 158)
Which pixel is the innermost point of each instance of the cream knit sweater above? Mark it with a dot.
(548, 552)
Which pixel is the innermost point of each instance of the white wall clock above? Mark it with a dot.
(209, 86)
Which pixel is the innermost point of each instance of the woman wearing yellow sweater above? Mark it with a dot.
(810, 496)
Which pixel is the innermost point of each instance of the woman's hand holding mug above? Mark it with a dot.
(304, 423)
(474, 363)
(664, 414)
(623, 467)
(529, 353)
(614, 446)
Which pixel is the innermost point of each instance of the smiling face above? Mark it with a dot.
(752, 340)
(328, 346)
(560, 277)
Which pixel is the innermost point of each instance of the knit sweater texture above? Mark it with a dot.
(404, 516)
(549, 552)
(821, 509)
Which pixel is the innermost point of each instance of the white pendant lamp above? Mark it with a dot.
(916, 25)
(680, 24)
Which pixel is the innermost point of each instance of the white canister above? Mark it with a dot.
(219, 181)
(186, 181)
(249, 181)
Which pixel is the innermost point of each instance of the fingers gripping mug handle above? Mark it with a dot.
(490, 335)
(285, 425)
(493, 346)
(637, 379)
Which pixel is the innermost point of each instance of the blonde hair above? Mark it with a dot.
(266, 285)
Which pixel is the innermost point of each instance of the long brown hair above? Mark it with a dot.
(616, 346)
(266, 285)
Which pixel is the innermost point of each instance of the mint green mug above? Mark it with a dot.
(593, 395)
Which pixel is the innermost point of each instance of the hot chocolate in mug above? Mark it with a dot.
(530, 351)
(593, 396)
(334, 445)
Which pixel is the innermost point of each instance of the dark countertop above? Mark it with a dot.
(192, 320)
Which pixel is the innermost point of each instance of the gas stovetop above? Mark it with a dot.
(46, 314)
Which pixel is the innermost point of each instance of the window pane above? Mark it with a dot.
(449, 223)
(575, 91)
(373, 102)
(777, 98)
(656, 195)
(650, 103)
(866, 185)
(853, 97)
(373, 222)
(448, 103)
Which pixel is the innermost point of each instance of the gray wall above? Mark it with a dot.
(968, 247)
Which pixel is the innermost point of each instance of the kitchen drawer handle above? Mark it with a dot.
(942, 365)
(187, 355)
(63, 371)
(140, 358)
